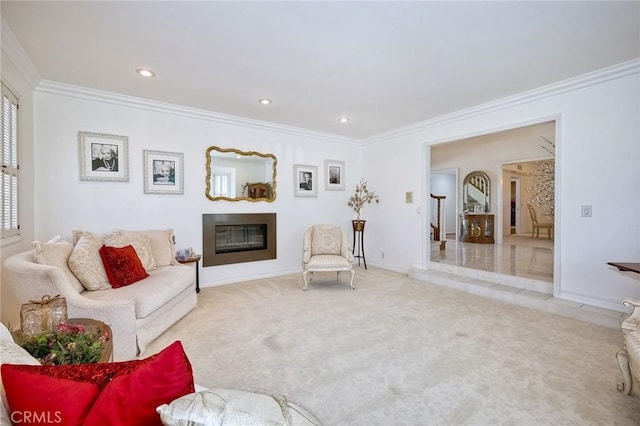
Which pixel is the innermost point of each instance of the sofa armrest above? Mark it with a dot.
(27, 280)
(632, 321)
(306, 246)
(120, 315)
(345, 249)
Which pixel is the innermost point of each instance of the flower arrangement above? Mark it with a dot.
(66, 344)
(542, 193)
(361, 197)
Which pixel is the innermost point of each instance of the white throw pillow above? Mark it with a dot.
(162, 245)
(141, 244)
(326, 239)
(226, 407)
(56, 253)
(86, 263)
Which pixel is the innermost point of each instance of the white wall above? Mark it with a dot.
(598, 137)
(597, 158)
(64, 203)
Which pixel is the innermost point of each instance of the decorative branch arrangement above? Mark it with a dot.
(542, 193)
(361, 196)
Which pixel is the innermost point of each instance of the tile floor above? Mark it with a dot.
(518, 255)
(519, 271)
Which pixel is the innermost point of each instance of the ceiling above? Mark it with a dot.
(383, 64)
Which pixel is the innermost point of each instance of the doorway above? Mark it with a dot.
(515, 252)
(514, 202)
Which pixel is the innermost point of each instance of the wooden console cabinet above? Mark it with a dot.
(258, 190)
(477, 228)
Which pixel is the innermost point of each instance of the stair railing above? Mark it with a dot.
(439, 231)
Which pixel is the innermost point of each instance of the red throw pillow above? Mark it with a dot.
(122, 264)
(40, 399)
(118, 393)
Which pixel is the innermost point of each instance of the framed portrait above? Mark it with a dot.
(334, 174)
(305, 179)
(163, 172)
(103, 157)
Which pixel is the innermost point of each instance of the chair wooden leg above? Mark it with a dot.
(304, 280)
(353, 274)
(623, 361)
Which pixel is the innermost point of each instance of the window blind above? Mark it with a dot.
(10, 168)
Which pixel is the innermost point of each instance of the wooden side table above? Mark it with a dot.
(194, 259)
(103, 328)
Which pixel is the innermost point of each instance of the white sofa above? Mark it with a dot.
(137, 313)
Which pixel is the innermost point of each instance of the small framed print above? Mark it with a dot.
(305, 179)
(103, 157)
(334, 174)
(163, 172)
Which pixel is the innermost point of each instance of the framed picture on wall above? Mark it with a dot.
(103, 157)
(305, 179)
(163, 172)
(334, 174)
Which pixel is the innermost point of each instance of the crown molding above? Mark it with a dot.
(14, 51)
(585, 80)
(63, 89)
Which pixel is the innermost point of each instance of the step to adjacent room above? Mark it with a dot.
(519, 291)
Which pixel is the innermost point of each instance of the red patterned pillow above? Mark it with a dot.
(118, 393)
(123, 265)
(38, 399)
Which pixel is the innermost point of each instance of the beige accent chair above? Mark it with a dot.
(537, 226)
(325, 249)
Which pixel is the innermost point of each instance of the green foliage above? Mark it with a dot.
(68, 344)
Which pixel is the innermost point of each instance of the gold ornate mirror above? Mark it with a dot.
(476, 193)
(235, 175)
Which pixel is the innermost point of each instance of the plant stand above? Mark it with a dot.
(358, 241)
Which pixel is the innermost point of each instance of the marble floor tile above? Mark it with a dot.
(518, 255)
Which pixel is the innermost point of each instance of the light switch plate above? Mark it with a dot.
(586, 210)
(408, 197)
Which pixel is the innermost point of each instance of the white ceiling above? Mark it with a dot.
(384, 64)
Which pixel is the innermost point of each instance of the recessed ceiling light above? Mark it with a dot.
(145, 72)
(343, 119)
(265, 101)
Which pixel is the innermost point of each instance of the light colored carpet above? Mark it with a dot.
(397, 351)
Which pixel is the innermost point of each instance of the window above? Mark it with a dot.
(221, 185)
(10, 168)
(224, 182)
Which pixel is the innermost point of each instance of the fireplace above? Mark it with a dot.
(237, 238)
